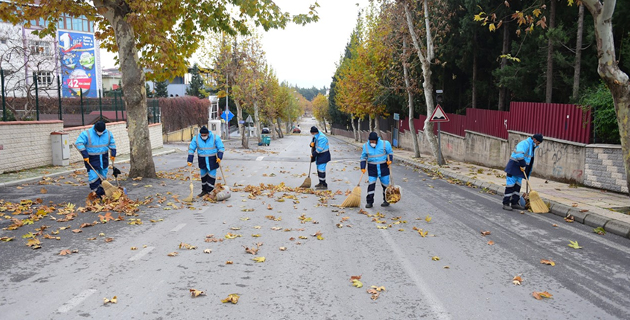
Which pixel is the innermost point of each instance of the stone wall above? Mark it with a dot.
(26, 144)
(555, 159)
(30, 142)
(599, 166)
(604, 168)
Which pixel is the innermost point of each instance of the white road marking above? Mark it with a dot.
(432, 301)
(141, 254)
(178, 227)
(76, 300)
(260, 158)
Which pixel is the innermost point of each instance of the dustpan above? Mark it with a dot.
(224, 192)
(393, 192)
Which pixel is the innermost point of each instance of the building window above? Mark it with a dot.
(39, 47)
(75, 23)
(45, 78)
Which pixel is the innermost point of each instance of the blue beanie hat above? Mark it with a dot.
(314, 129)
(204, 130)
(99, 126)
(538, 137)
(373, 136)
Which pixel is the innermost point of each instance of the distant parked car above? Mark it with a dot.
(296, 130)
(265, 130)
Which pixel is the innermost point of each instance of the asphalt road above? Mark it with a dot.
(311, 279)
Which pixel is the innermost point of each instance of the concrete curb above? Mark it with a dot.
(594, 220)
(38, 178)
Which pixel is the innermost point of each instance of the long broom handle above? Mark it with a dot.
(360, 179)
(528, 183)
(222, 175)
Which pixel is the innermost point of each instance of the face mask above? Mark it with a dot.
(99, 133)
(373, 145)
(204, 138)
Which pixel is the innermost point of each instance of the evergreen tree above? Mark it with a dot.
(148, 90)
(161, 89)
(196, 87)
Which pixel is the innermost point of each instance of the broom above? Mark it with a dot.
(107, 187)
(307, 182)
(190, 197)
(354, 199)
(535, 202)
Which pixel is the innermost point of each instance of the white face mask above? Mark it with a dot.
(99, 133)
(204, 138)
(373, 145)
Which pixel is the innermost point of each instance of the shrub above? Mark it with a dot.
(600, 101)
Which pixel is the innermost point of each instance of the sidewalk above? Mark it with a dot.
(36, 174)
(593, 207)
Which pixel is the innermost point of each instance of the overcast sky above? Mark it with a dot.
(305, 55)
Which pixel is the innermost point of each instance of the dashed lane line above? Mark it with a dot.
(76, 300)
(178, 227)
(141, 254)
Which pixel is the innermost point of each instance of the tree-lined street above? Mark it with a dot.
(452, 272)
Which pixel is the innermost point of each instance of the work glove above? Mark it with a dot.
(389, 162)
(312, 144)
(312, 159)
(362, 170)
(86, 160)
(189, 164)
(523, 169)
(116, 172)
(112, 158)
(218, 160)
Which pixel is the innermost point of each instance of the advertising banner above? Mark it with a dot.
(77, 64)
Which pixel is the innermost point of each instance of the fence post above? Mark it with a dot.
(155, 111)
(4, 110)
(100, 103)
(82, 116)
(116, 105)
(36, 96)
(59, 97)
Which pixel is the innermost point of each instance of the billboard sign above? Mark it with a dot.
(77, 64)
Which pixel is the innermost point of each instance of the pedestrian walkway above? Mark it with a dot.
(32, 175)
(593, 207)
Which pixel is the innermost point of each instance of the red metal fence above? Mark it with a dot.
(562, 121)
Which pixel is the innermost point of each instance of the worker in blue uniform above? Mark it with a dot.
(320, 154)
(97, 146)
(520, 164)
(376, 157)
(209, 148)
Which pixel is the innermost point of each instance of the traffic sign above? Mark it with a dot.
(396, 116)
(439, 115)
(249, 119)
(227, 115)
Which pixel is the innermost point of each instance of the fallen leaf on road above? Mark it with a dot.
(352, 278)
(233, 298)
(77, 230)
(92, 238)
(357, 283)
(229, 262)
(244, 219)
(541, 295)
(252, 250)
(554, 225)
(235, 228)
(428, 218)
(574, 205)
(173, 254)
(584, 210)
(435, 258)
(574, 245)
(600, 231)
(447, 267)
(109, 239)
(259, 259)
(256, 235)
(65, 252)
(195, 293)
(186, 246)
(283, 248)
(569, 218)
(207, 251)
(34, 243)
(485, 233)
(517, 280)
(232, 236)
(548, 262)
(134, 248)
(113, 300)
(490, 243)
(43, 190)
(7, 239)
